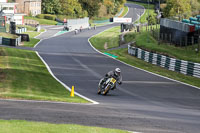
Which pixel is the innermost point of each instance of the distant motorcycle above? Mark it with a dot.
(108, 85)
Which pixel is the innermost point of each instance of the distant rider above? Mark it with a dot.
(115, 74)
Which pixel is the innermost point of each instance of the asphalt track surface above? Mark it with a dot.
(144, 102)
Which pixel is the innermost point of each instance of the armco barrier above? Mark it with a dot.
(184, 67)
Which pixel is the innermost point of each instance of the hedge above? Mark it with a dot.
(46, 16)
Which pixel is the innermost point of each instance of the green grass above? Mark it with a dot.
(24, 76)
(31, 43)
(42, 21)
(183, 53)
(8, 35)
(111, 37)
(125, 57)
(19, 126)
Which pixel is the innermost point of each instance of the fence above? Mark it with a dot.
(184, 67)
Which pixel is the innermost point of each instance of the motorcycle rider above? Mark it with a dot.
(115, 74)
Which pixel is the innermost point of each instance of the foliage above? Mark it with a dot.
(82, 8)
(72, 8)
(92, 6)
(177, 8)
(51, 6)
(195, 5)
(46, 16)
(151, 19)
(42, 21)
(49, 17)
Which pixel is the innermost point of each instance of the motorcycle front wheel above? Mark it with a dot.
(106, 90)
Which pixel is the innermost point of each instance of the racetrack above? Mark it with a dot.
(143, 103)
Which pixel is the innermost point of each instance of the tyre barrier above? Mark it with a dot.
(10, 42)
(21, 30)
(181, 66)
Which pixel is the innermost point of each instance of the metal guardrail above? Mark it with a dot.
(175, 24)
(181, 66)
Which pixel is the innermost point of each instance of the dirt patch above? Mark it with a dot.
(2, 53)
(2, 75)
(106, 45)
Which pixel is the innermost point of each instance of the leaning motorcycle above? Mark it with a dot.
(106, 86)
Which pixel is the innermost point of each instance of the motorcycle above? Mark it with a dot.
(106, 86)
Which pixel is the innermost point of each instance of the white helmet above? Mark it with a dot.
(117, 71)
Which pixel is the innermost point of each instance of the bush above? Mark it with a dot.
(41, 16)
(46, 16)
(50, 17)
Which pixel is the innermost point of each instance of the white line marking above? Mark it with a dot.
(68, 88)
(40, 34)
(37, 101)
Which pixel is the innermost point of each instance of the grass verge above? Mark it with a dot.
(144, 40)
(24, 76)
(18, 126)
(108, 38)
(42, 21)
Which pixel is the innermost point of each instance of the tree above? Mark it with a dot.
(151, 19)
(72, 8)
(177, 8)
(195, 5)
(51, 6)
(109, 5)
(91, 6)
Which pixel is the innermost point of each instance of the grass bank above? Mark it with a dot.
(8, 35)
(106, 39)
(42, 21)
(24, 76)
(18, 126)
(145, 40)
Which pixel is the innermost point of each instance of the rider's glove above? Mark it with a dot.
(120, 83)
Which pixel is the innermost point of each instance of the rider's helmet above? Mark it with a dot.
(117, 71)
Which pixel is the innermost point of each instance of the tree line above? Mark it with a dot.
(181, 8)
(81, 8)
